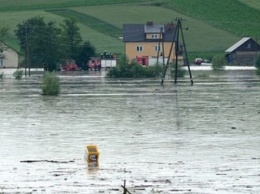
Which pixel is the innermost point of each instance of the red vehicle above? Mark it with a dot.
(94, 64)
(70, 67)
(198, 61)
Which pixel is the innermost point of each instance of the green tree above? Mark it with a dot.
(85, 51)
(3, 33)
(48, 47)
(40, 42)
(71, 38)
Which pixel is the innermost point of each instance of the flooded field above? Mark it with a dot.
(200, 139)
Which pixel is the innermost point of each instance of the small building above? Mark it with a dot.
(243, 52)
(8, 57)
(144, 41)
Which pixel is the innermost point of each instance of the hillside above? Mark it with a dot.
(212, 27)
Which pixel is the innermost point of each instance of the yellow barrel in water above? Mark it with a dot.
(92, 155)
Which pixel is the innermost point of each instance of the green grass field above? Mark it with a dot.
(197, 36)
(252, 3)
(229, 15)
(16, 5)
(213, 25)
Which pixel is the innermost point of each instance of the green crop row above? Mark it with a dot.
(230, 15)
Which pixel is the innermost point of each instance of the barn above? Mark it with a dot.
(243, 52)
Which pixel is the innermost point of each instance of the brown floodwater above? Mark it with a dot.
(175, 138)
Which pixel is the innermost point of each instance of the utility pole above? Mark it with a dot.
(176, 41)
(186, 59)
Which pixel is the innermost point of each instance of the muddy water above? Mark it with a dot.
(172, 139)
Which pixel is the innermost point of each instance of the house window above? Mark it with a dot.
(139, 48)
(154, 36)
(248, 45)
(157, 48)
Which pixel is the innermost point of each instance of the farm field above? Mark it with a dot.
(12, 5)
(229, 15)
(213, 38)
(211, 27)
(252, 3)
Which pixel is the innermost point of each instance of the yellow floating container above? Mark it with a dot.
(92, 155)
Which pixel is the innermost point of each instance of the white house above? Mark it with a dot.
(8, 58)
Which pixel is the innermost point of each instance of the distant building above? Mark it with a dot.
(243, 52)
(8, 57)
(142, 41)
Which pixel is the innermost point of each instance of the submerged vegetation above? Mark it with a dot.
(18, 74)
(218, 62)
(258, 71)
(180, 71)
(131, 69)
(257, 65)
(51, 84)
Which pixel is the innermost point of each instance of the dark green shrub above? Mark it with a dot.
(51, 84)
(126, 69)
(180, 71)
(18, 74)
(258, 71)
(154, 71)
(218, 62)
(113, 72)
(257, 63)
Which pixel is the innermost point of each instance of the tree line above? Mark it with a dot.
(44, 44)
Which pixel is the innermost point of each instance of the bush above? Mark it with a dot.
(258, 71)
(126, 69)
(18, 74)
(218, 62)
(51, 84)
(257, 63)
(180, 71)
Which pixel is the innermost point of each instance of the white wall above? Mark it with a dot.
(10, 59)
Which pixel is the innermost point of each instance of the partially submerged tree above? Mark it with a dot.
(45, 45)
(71, 37)
(40, 43)
(218, 62)
(85, 51)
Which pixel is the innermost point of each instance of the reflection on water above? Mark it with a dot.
(201, 138)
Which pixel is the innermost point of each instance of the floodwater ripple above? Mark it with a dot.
(179, 138)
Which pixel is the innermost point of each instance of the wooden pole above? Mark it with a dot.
(168, 60)
(186, 54)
